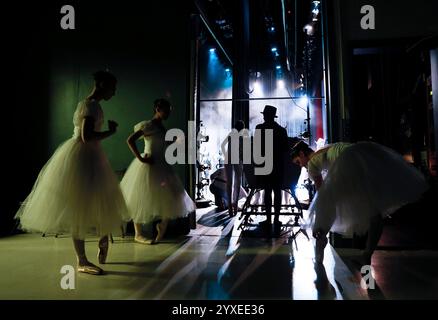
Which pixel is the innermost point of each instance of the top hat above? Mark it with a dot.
(270, 111)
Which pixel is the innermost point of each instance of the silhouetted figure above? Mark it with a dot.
(77, 191)
(218, 187)
(151, 188)
(234, 169)
(273, 181)
(365, 182)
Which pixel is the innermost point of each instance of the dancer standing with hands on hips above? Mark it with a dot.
(76, 191)
(364, 183)
(152, 190)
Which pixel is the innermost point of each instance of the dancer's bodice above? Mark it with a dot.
(154, 140)
(87, 108)
(325, 157)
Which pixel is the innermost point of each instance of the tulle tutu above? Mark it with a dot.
(76, 192)
(365, 180)
(154, 192)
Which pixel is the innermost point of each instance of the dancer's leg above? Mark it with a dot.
(83, 264)
(103, 249)
(321, 242)
(236, 187)
(80, 251)
(374, 233)
(161, 229)
(138, 234)
(229, 175)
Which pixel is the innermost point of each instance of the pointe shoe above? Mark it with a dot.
(141, 240)
(102, 253)
(159, 236)
(90, 269)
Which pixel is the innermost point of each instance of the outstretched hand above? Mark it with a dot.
(112, 126)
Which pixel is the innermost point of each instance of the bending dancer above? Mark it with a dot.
(365, 182)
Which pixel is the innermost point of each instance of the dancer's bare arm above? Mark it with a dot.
(133, 147)
(88, 134)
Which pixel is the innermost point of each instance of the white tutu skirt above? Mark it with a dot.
(154, 192)
(367, 179)
(76, 192)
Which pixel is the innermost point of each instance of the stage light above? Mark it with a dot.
(281, 84)
(274, 49)
(308, 29)
(212, 50)
(315, 10)
(227, 70)
(257, 89)
(304, 101)
(272, 29)
(278, 67)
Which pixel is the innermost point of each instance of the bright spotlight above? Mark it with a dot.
(304, 101)
(257, 89)
(281, 84)
(272, 29)
(274, 49)
(278, 67)
(212, 50)
(308, 29)
(227, 70)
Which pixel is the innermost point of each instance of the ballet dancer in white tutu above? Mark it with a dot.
(151, 188)
(363, 183)
(76, 191)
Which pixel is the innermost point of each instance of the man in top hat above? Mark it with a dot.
(273, 181)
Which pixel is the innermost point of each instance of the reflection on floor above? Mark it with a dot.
(216, 261)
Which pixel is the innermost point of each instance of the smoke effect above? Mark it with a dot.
(291, 113)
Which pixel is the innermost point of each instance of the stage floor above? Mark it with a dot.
(215, 261)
